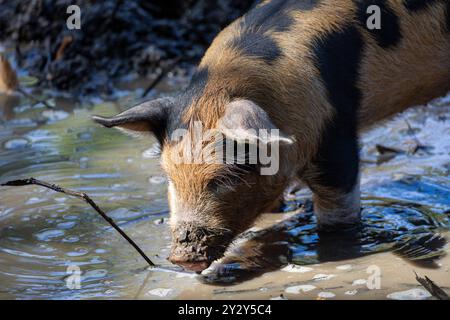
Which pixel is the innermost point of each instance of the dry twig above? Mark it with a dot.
(87, 199)
(432, 288)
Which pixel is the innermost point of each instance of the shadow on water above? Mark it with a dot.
(409, 229)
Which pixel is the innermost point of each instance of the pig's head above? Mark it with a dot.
(212, 198)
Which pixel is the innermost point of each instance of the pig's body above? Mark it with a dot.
(315, 71)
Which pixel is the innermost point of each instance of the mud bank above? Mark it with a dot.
(116, 39)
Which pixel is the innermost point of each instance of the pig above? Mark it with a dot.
(316, 73)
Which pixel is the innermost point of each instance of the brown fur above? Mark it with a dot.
(293, 94)
(391, 79)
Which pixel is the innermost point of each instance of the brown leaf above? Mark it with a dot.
(67, 40)
(8, 77)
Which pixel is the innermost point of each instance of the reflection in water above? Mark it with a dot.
(43, 233)
(411, 230)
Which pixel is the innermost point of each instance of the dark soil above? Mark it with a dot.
(117, 38)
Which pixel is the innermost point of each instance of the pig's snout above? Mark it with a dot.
(194, 248)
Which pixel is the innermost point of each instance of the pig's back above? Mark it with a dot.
(313, 58)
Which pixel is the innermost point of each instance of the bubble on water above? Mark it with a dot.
(55, 115)
(157, 180)
(46, 248)
(49, 234)
(78, 252)
(323, 277)
(153, 152)
(66, 225)
(60, 199)
(71, 239)
(296, 268)
(326, 295)
(359, 282)
(94, 274)
(345, 267)
(96, 260)
(18, 143)
(301, 288)
(70, 217)
(413, 294)
(160, 292)
(351, 292)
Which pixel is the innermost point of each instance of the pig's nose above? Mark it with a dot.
(195, 266)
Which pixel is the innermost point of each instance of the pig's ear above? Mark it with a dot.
(148, 117)
(243, 121)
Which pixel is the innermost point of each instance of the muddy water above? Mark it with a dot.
(46, 238)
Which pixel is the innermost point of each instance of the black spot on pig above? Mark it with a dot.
(275, 15)
(257, 45)
(269, 16)
(337, 57)
(193, 91)
(389, 35)
(198, 82)
(418, 5)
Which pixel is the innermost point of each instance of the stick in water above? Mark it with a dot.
(87, 199)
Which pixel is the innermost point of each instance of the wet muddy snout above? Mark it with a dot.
(195, 247)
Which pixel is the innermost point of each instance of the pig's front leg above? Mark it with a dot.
(333, 177)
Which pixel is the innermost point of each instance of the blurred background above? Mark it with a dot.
(117, 38)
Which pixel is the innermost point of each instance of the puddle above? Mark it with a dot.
(46, 238)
